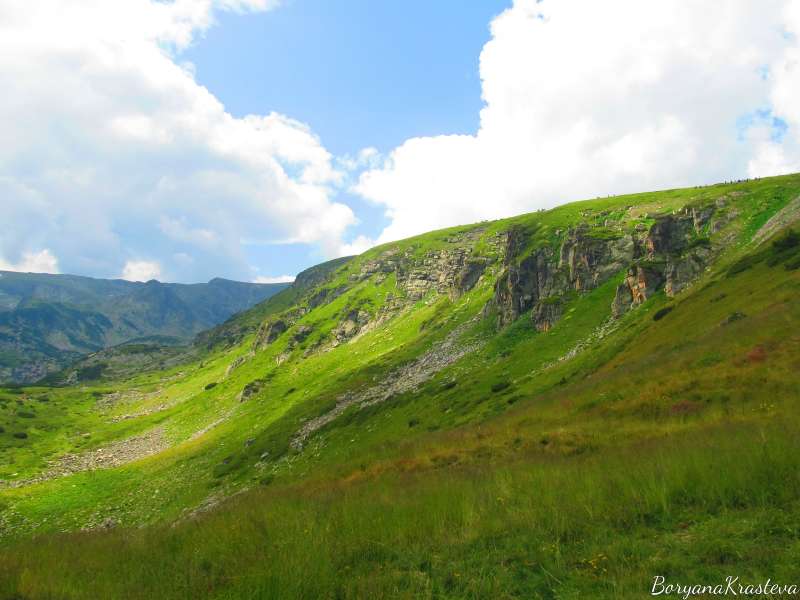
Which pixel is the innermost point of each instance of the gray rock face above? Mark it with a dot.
(667, 255)
(238, 362)
(301, 333)
(591, 261)
(540, 282)
(675, 258)
(523, 285)
(682, 271)
(669, 234)
(268, 332)
(351, 325)
(701, 216)
(546, 314)
(469, 275)
(450, 271)
(251, 389)
(640, 284)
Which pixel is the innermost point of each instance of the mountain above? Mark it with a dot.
(48, 321)
(562, 404)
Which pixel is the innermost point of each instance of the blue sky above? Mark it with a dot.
(361, 73)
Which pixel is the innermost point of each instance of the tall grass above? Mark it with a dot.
(548, 527)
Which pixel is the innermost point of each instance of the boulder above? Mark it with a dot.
(268, 332)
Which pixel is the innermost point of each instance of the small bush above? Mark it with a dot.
(413, 422)
(449, 385)
(733, 317)
(21, 435)
(791, 239)
(25, 414)
(91, 373)
(211, 386)
(793, 264)
(500, 386)
(663, 312)
(2, 429)
(741, 265)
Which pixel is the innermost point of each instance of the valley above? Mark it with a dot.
(556, 405)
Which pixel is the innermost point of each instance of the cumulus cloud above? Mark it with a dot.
(32, 262)
(278, 279)
(112, 150)
(586, 98)
(141, 270)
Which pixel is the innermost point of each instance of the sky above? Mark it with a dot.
(189, 139)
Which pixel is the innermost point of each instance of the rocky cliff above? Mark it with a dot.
(531, 272)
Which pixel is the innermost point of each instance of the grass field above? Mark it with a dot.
(577, 462)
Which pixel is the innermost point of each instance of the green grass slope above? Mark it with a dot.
(472, 413)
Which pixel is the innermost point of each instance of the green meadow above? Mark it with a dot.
(580, 461)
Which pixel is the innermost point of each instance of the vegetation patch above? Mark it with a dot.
(662, 312)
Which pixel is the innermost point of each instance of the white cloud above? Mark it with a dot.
(278, 279)
(360, 244)
(586, 98)
(365, 158)
(141, 270)
(111, 149)
(33, 262)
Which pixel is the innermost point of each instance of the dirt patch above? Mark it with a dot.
(757, 355)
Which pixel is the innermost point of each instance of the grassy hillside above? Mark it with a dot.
(559, 405)
(48, 321)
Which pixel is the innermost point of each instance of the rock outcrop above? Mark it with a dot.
(591, 261)
(238, 362)
(676, 256)
(352, 323)
(641, 282)
(668, 255)
(268, 332)
(541, 281)
(251, 389)
(546, 313)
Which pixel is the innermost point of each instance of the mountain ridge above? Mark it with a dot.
(48, 321)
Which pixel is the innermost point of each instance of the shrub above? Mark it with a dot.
(663, 312)
(211, 386)
(733, 317)
(791, 239)
(25, 414)
(413, 422)
(91, 373)
(21, 435)
(793, 265)
(742, 265)
(500, 386)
